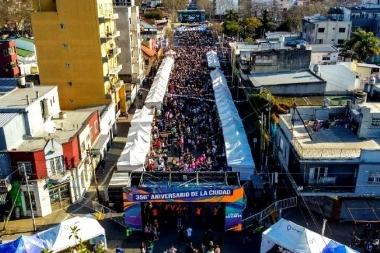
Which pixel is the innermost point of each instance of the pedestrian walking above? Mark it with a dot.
(189, 232)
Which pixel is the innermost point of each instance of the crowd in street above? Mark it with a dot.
(188, 127)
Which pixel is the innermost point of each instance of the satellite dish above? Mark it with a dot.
(50, 127)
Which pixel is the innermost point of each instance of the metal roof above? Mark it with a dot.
(6, 117)
(283, 77)
(323, 48)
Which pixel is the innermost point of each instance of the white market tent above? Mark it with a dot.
(133, 156)
(160, 84)
(212, 59)
(138, 141)
(238, 151)
(58, 238)
(292, 237)
(143, 115)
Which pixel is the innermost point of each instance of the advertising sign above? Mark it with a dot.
(233, 197)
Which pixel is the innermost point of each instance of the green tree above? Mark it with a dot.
(232, 15)
(156, 15)
(249, 40)
(363, 44)
(208, 6)
(232, 28)
(291, 24)
(172, 6)
(250, 26)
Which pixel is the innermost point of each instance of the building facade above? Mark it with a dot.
(323, 54)
(8, 59)
(319, 29)
(131, 56)
(336, 151)
(77, 51)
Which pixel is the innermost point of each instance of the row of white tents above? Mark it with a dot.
(59, 237)
(238, 151)
(298, 239)
(134, 154)
(212, 59)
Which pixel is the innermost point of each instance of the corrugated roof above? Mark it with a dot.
(6, 117)
(323, 48)
(148, 51)
(8, 84)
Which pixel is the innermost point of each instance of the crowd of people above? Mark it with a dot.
(188, 127)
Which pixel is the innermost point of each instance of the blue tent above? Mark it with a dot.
(23, 244)
(335, 247)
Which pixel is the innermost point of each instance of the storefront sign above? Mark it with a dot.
(182, 195)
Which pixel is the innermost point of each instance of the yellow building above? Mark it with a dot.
(76, 49)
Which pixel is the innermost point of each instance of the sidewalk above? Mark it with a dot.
(24, 226)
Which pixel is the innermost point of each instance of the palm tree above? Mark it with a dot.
(363, 44)
(232, 15)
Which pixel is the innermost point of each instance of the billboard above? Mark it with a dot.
(233, 197)
(191, 16)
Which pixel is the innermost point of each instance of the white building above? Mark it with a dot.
(323, 54)
(339, 79)
(220, 6)
(130, 57)
(319, 29)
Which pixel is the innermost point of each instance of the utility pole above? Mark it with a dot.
(30, 198)
(89, 153)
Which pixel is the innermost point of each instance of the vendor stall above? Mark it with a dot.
(58, 238)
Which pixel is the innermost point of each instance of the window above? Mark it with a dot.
(315, 174)
(340, 42)
(83, 149)
(65, 46)
(342, 30)
(96, 126)
(321, 30)
(5, 52)
(67, 65)
(56, 166)
(320, 41)
(63, 26)
(375, 121)
(374, 177)
(24, 165)
(31, 200)
(325, 58)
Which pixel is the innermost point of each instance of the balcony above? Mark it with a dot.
(114, 51)
(116, 70)
(111, 16)
(110, 35)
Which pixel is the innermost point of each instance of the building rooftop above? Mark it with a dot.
(374, 107)
(24, 53)
(336, 142)
(323, 48)
(16, 99)
(7, 85)
(277, 35)
(283, 77)
(368, 6)
(6, 117)
(65, 130)
(26, 39)
(366, 65)
(316, 18)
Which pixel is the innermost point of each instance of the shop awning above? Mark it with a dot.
(101, 142)
(148, 51)
(3, 198)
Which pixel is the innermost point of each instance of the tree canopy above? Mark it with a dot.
(363, 45)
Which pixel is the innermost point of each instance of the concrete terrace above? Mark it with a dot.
(338, 141)
(283, 77)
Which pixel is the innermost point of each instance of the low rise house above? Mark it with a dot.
(289, 83)
(333, 151)
(323, 54)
